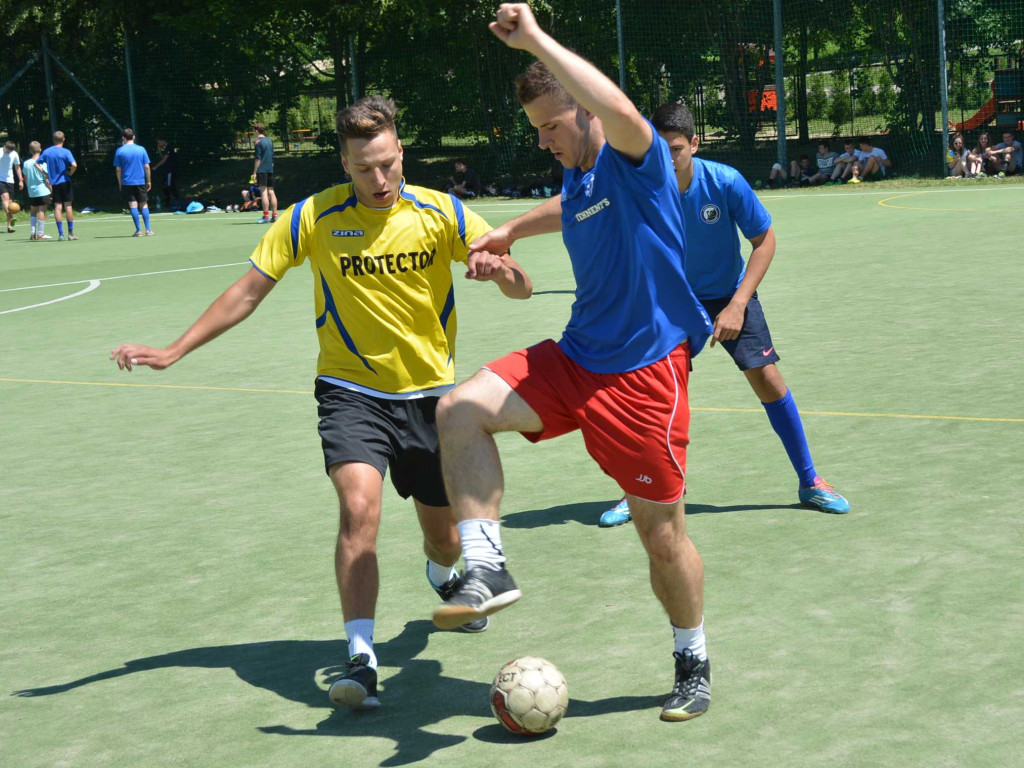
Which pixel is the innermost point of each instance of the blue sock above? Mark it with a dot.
(145, 217)
(60, 228)
(785, 420)
(135, 217)
(71, 227)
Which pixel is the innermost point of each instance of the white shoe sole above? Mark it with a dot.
(349, 693)
(450, 616)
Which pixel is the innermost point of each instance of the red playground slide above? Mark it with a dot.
(983, 117)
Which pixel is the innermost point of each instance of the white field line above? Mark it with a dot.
(93, 285)
(121, 277)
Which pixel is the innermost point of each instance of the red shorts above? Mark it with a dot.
(635, 425)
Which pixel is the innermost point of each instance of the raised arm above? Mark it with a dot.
(624, 126)
(231, 307)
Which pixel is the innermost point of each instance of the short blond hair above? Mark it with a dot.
(58, 137)
(35, 147)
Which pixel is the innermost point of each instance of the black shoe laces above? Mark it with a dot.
(688, 674)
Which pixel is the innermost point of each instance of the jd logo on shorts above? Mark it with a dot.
(710, 213)
(347, 232)
(644, 479)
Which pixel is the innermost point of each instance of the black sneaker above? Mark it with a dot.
(691, 695)
(447, 590)
(357, 688)
(482, 591)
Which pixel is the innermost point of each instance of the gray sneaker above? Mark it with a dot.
(482, 591)
(691, 695)
(446, 591)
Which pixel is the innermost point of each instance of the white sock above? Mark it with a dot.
(481, 544)
(39, 226)
(439, 575)
(692, 639)
(360, 639)
(31, 225)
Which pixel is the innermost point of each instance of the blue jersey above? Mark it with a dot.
(633, 305)
(132, 160)
(265, 153)
(57, 161)
(717, 202)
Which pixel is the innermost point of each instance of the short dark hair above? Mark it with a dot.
(866, 140)
(367, 118)
(538, 81)
(9, 146)
(674, 118)
(849, 142)
(128, 134)
(825, 143)
(259, 128)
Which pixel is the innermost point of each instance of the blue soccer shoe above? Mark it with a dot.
(823, 496)
(617, 515)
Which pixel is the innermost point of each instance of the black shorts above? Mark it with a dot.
(63, 193)
(136, 193)
(753, 348)
(7, 189)
(400, 434)
(265, 180)
(38, 201)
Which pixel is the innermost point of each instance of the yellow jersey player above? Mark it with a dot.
(381, 253)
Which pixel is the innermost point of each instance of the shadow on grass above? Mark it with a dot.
(546, 293)
(588, 513)
(412, 700)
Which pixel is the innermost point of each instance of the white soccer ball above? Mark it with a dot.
(529, 695)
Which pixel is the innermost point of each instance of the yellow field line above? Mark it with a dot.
(852, 414)
(884, 204)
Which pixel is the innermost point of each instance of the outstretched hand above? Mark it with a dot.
(497, 240)
(516, 26)
(129, 355)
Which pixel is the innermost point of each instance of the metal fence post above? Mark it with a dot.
(780, 84)
(48, 74)
(622, 47)
(943, 83)
(131, 80)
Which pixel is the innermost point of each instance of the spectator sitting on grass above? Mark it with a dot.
(465, 183)
(826, 160)
(1008, 155)
(802, 173)
(956, 157)
(843, 167)
(981, 156)
(873, 160)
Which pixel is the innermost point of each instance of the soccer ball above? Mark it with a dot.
(13, 207)
(529, 695)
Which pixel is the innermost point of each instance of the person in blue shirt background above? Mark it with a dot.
(716, 200)
(61, 166)
(131, 162)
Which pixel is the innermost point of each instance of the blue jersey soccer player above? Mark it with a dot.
(131, 162)
(716, 200)
(619, 372)
(61, 166)
(381, 253)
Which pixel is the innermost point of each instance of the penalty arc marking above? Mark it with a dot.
(92, 286)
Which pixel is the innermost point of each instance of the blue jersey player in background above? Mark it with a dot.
(716, 200)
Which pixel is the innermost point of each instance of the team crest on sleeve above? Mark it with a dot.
(710, 213)
(588, 185)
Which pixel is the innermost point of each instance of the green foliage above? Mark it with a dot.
(840, 108)
(817, 97)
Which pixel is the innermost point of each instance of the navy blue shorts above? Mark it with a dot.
(753, 348)
(396, 434)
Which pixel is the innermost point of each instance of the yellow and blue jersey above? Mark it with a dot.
(382, 284)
